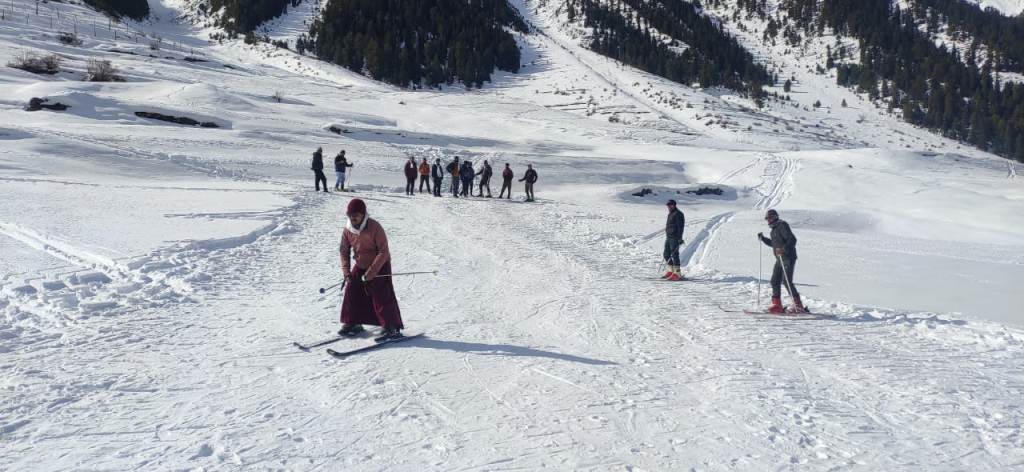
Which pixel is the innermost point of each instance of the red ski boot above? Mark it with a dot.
(776, 306)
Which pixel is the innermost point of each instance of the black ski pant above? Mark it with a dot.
(320, 177)
(425, 179)
(437, 186)
(467, 187)
(485, 183)
(455, 185)
(671, 256)
(529, 191)
(777, 276)
(410, 186)
(506, 185)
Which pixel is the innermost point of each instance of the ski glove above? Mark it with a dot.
(780, 251)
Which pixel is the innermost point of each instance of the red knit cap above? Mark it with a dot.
(356, 206)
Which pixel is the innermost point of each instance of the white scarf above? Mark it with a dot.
(356, 231)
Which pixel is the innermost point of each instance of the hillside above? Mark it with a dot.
(155, 273)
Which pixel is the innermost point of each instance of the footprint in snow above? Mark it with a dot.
(204, 451)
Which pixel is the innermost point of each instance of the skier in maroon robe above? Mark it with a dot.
(369, 293)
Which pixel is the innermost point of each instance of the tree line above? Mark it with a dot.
(134, 9)
(954, 92)
(941, 89)
(1002, 35)
(243, 16)
(699, 51)
(418, 42)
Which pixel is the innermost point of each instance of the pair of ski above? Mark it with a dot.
(807, 315)
(663, 279)
(344, 354)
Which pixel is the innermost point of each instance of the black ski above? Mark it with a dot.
(764, 314)
(344, 354)
(306, 347)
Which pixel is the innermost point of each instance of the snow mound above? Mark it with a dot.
(689, 195)
(101, 102)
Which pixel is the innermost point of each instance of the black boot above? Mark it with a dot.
(388, 334)
(350, 330)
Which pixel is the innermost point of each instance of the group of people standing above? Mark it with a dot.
(341, 165)
(462, 177)
(781, 240)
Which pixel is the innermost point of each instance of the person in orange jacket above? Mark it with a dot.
(425, 175)
(454, 168)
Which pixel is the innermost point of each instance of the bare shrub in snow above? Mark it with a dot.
(71, 39)
(278, 96)
(101, 71)
(36, 64)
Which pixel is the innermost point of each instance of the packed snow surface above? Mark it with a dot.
(154, 275)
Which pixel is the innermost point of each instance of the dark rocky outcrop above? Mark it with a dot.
(36, 104)
(181, 120)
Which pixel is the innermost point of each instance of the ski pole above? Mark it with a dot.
(325, 289)
(408, 273)
(786, 275)
(760, 272)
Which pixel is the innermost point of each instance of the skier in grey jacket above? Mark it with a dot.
(673, 239)
(783, 244)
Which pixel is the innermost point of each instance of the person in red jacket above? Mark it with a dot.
(369, 294)
(506, 181)
(410, 176)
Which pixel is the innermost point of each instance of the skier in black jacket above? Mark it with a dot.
(318, 169)
(673, 239)
(530, 177)
(467, 175)
(783, 244)
(437, 172)
(485, 179)
(340, 166)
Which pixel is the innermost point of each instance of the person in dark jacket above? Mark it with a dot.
(410, 176)
(454, 167)
(783, 244)
(506, 181)
(467, 178)
(340, 166)
(485, 179)
(425, 175)
(369, 296)
(437, 172)
(674, 226)
(530, 178)
(318, 169)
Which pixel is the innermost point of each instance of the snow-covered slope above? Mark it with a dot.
(154, 275)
